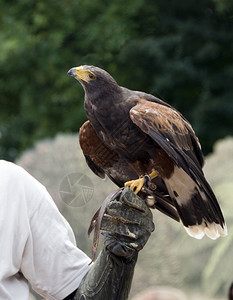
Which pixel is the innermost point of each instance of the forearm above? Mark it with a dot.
(109, 278)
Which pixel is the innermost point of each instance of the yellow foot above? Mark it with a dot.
(135, 185)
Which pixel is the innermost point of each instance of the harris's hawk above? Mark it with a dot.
(140, 141)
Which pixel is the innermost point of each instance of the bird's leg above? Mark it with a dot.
(136, 185)
(153, 174)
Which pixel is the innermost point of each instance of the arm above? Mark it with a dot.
(37, 244)
(127, 225)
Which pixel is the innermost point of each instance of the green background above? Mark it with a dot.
(180, 51)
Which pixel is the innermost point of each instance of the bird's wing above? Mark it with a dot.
(176, 137)
(171, 132)
(167, 110)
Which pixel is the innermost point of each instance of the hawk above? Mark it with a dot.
(140, 141)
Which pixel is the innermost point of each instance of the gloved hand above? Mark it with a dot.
(126, 225)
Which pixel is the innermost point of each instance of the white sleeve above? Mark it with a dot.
(40, 243)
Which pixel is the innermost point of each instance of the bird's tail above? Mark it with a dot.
(196, 205)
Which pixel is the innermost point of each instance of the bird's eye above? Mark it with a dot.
(91, 76)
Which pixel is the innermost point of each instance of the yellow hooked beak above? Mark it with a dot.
(81, 74)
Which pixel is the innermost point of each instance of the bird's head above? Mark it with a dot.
(84, 74)
(94, 79)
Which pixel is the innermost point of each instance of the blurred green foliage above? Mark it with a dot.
(180, 51)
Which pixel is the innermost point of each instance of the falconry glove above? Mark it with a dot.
(126, 225)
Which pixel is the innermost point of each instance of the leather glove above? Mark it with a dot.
(127, 225)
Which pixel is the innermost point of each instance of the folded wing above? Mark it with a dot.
(193, 197)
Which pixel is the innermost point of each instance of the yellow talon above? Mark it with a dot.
(138, 184)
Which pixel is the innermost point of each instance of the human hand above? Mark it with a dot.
(126, 225)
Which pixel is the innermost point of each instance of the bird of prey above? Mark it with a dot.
(140, 141)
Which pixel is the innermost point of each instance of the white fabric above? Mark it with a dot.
(36, 242)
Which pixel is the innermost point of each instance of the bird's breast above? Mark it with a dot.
(114, 127)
